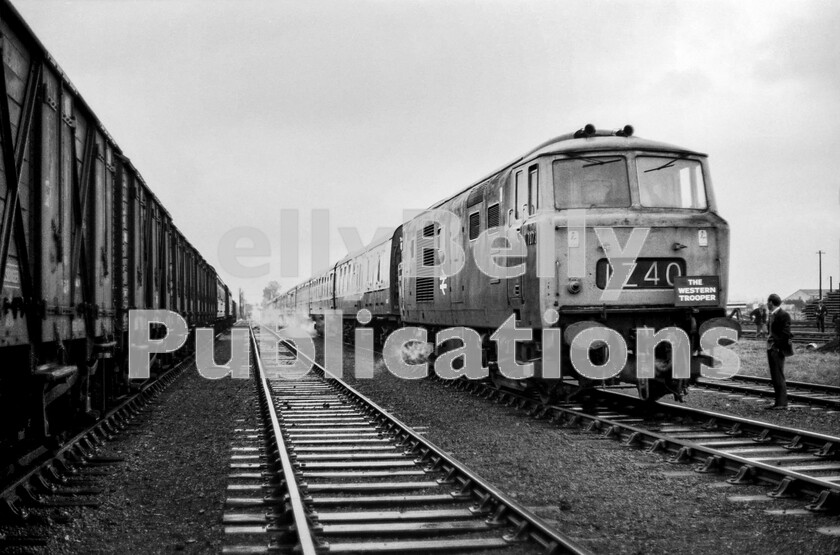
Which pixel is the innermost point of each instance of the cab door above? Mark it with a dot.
(523, 202)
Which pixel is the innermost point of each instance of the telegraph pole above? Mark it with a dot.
(820, 253)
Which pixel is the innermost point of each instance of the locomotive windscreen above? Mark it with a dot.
(591, 182)
(671, 183)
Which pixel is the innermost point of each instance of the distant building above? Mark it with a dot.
(803, 295)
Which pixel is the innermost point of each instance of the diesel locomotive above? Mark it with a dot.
(609, 224)
(83, 240)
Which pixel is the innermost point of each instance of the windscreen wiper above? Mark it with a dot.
(593, 161)
(666, 165)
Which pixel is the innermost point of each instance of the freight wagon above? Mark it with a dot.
(83, 240)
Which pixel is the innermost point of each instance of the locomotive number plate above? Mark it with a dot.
(646, 273)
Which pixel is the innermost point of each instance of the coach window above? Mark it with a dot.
(519, 195)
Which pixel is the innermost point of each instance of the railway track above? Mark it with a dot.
(800, 394)
(793, 462)
(328, 471)
(798, 337)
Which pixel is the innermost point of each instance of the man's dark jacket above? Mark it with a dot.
(780, 334)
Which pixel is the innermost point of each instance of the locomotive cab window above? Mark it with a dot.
(533, 190)
(596, 182)
(671, 183)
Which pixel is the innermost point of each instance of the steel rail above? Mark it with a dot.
(817, 387)
(524, 520)
(813, 394)
(826, 447)
(809, 438)
(306, 543)
(798, 337)
(826, 494)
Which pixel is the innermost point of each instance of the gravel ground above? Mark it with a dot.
(169, 492)
(804, 366)
(611, 498)
(805, 418)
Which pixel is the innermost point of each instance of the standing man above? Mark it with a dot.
(822, 310)
(759, 316)
(778, 347)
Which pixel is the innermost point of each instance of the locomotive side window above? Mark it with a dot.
(519, 195)
(671, 183)
(533, 190)
(591, 183)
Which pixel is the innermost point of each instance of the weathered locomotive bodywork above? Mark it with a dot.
(590, 190)
(82, 241)
(574, 202)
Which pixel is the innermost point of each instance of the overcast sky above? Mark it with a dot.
(234, 110)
